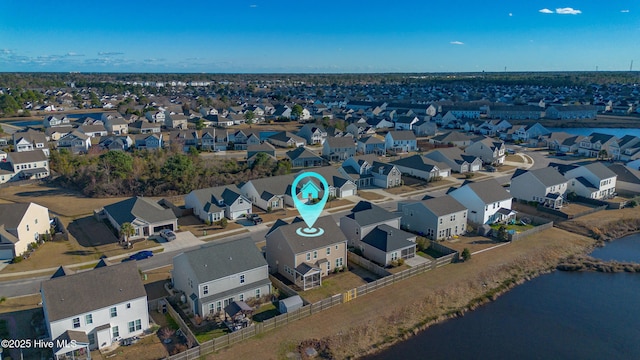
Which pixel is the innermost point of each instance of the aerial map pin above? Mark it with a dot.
(309, 191)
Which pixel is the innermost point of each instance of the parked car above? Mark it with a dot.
(254, 218)
(141, 255)
(490, 168)
(168, 234)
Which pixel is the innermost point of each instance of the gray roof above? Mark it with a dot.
(298, 244)
(443, 205)
(261, 147)
(286, 136)
(27, 156)
(12, 214)
(402, 135)
(214, 194)
(219, 260)
(366, 213)
(340, 142)
(387, 238)
(86, 291)
(625, 174)
(489, 191)
(548, 176)
(452, 136)
(454, 154)
(141, 208)
(599, 170)
(370, 140)
(302, 153)
(417, 162)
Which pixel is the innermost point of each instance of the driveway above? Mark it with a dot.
(184, 239)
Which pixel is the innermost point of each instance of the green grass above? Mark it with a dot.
(266, 311)
(424, 255)
(211, 334)
(171, 322)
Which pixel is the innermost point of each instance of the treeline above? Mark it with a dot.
(154, 173)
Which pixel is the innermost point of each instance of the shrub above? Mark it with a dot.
(466, 254)
(632, 204)
(400, 262)
(207, 222)
(222, 223)
(16, 259)
(394, 263)
(469, 175)
(423, 243)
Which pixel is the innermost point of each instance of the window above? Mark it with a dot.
(441, 221)
(128, 305)
(328, 251)
(218, 305)
(27, 227)
(138, 324)
(394, 256)
(88, 319)
(315, 254)
(92, 338)
(115, 331)
(132, 326)
(336, 247)
(205, 289)
(308, 256)
(241, 279)
(36, 221)
(113, 311)
(76, 323)
(257, 293)
(212, 308)
(241, 297)
(339, 262)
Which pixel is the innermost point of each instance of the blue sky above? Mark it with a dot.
(318, 36)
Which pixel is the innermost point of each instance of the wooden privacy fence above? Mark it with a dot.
(524, 234)
(309, 309)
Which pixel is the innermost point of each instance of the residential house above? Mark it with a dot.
(380, 123)
(401, 141)
(301, 157)
(76, 142)
(597, 144)
(376, 233)
(406, 122)
(487, 201)
(218, 120)
(212, 204)
(30, 140)
(93, 130)
(184, 139)
(20, 225)
(175, 121)
(425, 128)
(56, 133)
(269, 193)
(148, 142)
(116, 125)
(53, 121)
(282, 111)
(455, 138)
(421, 167)
(96, 308)
(627, 179)
(306, 262)
(147, 216)
(462, 111)
(217, 274)
(546, 186)
(339, 185)
(286, 139)
(338, 148)
(571, 112)
(456, 159)
(213, 140)
(144, 127)
(313, 134)
(155, 116)
(371, 145)
(562, 141)
(116, 142)
(24, 166)
(594, 180)
(629, 148)
(265, 147)
(435, 218)
(526, 133)
(488, 150)
(366, 171)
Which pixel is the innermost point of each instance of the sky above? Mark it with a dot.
(303, 36)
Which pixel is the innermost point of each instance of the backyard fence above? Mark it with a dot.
(183, 326)
(366, 264)
(524, 234)
(309, 309)
(282, 286)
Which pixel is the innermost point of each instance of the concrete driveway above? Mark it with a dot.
(184, 239)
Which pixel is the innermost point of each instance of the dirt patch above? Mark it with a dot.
(90, 232)
(370, 195)
(149, 347)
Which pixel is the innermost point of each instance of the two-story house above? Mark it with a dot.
(405, 122)
(184, 139)
(217, 274)
(30, 140)
(425, 128)
(95, 130)
(155, 116)
(24, 166)
(53, 121)
(600, 145)
(436, 218)
(175, 121)
(401, 141)
(96, 307)
(313, 134)
(422, 167)
(286, 139)
(455, 138)
(116, 142)
(148, 142)
(20, 225)
(212, 204)
(487, 201)
(213, 140)
(456, 159)
(593, 180)
(488, 150)
(376, 232)
(306, 260)
(366, 171)
(116, 125)
(371, 145)
(76, 142)
(546, 186)
(338, 148)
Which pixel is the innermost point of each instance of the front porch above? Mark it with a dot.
(553, 201)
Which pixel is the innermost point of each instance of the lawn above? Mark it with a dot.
(149, 347)
(198, 228)
(370, 195)
(518, 227)
(514, 158)
(334, 284)
(266, 311)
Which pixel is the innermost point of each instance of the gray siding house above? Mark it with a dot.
(436, 218)
(546, 186)
(212, 204)
(215, 275)
(147, 216)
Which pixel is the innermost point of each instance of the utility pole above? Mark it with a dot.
(631, 66)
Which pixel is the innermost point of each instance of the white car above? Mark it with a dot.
(168, 234)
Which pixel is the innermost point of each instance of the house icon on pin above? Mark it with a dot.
(310, 191)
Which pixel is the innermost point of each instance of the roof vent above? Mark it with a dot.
(230, 258)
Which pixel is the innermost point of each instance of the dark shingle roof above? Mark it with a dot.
(417, 162)
(547, 176)
(218, 260)
(489, 191)
(27, 156)
(79, 293)
(298, 244)
(138, 207)
(443, 205)
(402, 135)
(340, 142)
(303, 153)
(366, 213)
(12, 214)
(387, 238)
(452, 136)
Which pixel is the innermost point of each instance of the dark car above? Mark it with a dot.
(490, 168)
(141, 255)
(254, 218)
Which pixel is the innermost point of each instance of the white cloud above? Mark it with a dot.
(253, 6)
(624, 11)
(71, 53)
(510, 14)
(568, 11)
(109, 53)
(456, 43)
(546, 11)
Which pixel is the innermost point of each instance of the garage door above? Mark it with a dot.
(475, 167)
(346, 193)
(237, 214)
(6, 254)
